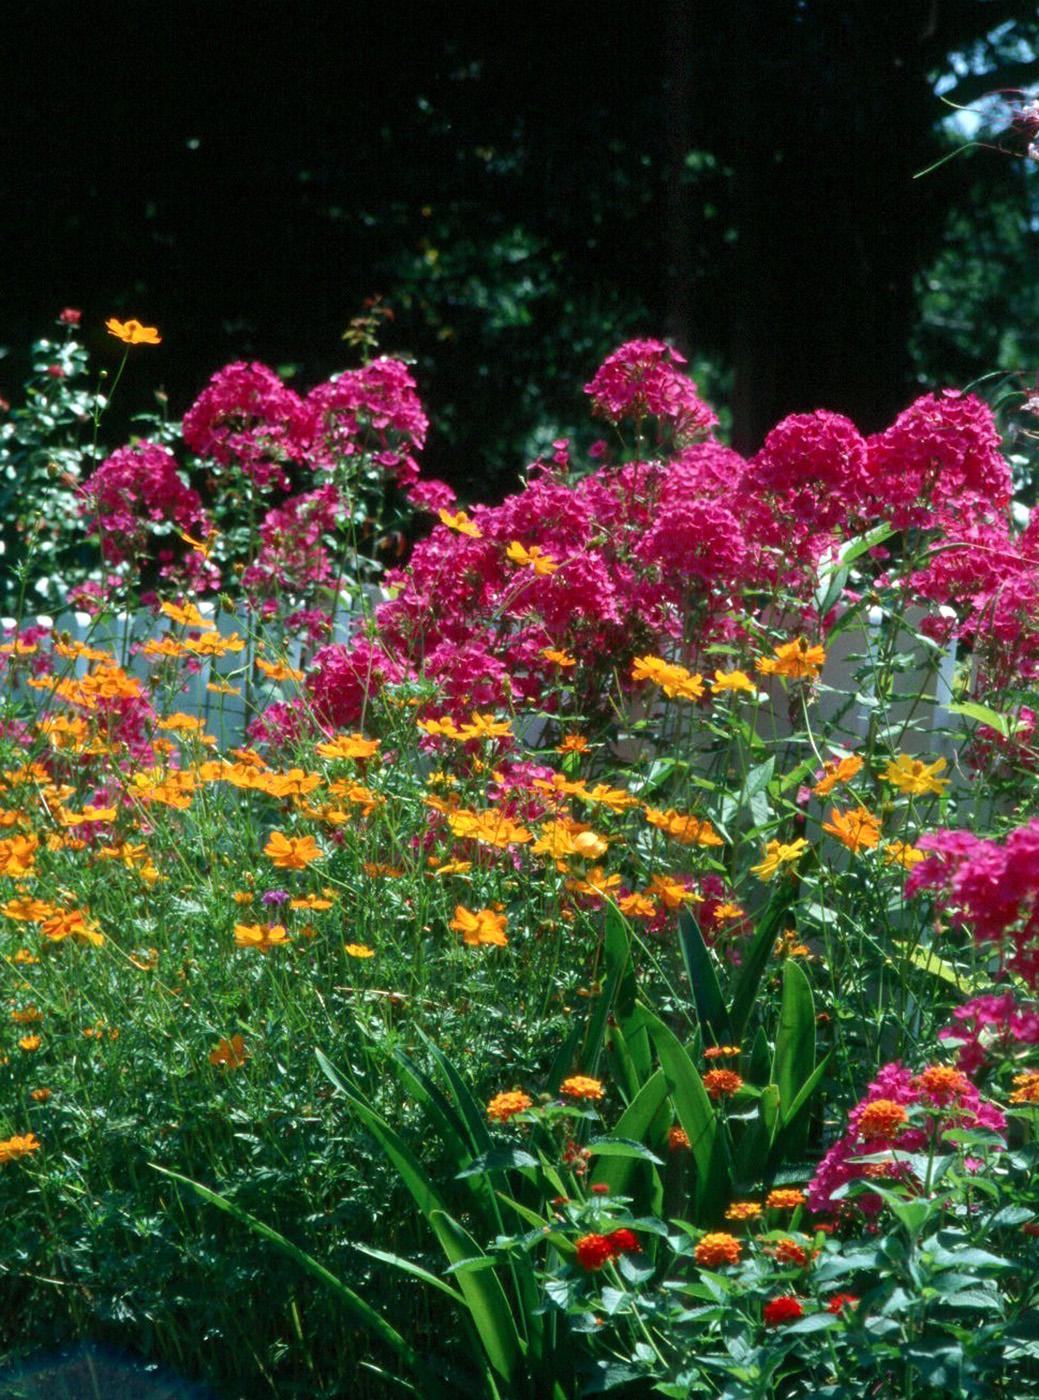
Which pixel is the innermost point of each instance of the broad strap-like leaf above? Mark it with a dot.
(488, 1306)
(707, 992)
(353, 1302)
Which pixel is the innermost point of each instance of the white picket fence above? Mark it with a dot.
(843, 707)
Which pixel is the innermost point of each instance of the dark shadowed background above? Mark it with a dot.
(526, 186)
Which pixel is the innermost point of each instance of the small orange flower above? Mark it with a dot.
(798, 659)
(791, 1253)
(582, 1087)
(562, 659)
(292, 852)
(716, 1249)
(29, 1043)
(678, 1140)
(743, 1210)
(573, 743)
(837, 770)
(1026, 1087)
(505, 1106)
(785, 1198)
(13, 1148)
(460, 523)
(229, 1054)
(535, 558)
(942, 1083)
(262, 937)
(483, 926)
(721, 1052)
(883, 1118)
(132, 332)
(349, 746)
(722, 1083)
(358, 950)
(859, 829)
(40, 1095)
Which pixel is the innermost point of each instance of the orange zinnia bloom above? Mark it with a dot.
(132, 332)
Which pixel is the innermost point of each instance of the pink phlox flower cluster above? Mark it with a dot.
(987, 1026)
(134, 488)
(811, 470)
(431, 495)
(292, 556)
(643, 379)
(375, 410)
(991, 888)
(942, 452)
(248, 418)
(342, 678)
(946, 1108)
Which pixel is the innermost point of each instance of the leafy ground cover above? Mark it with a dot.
(613, 967)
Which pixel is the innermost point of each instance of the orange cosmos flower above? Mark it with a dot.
(675, 681)
(837, 770)
(733, 681)
(683, 828)
(29, 1043)
(637, 906)
(490, 828)
(278, 670)
(798, 659)
(132, 332)
(716, 1249)
(671, 893)
(348, 746)
(483, 926)
(358, 950)
(292, 852)
(261, 937)
(40, 1095)
(573, 743)
(859, 829)
(13, 1148)
(70, 923)
(229, 1054)
(187, 615)
(505, 1106)
(27, 1015)
(562, 659)
(18, 855)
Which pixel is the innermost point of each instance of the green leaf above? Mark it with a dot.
(488, 1306)
(795, 1047)
(424, 1193)
(697, 1116)
(1002, 724)
(634, 1123)
(407, 1267)
(354, 1303)
(703, 979)
(621, 1147)
(756, 959)
(930, 962)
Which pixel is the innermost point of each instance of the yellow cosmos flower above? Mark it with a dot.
(733, 681)
(903, 854)
(187, 615)
(132, 332)
(914, 777)
(358, 950)
(13, 1148)
(535, 558)
(460, 523)
(778, 854)
(675, 681)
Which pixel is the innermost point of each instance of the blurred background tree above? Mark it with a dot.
(526, 187)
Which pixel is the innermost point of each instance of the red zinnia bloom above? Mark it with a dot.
(624, 1242)
(593, 1251)
(785, 1308)
(840, 1301)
